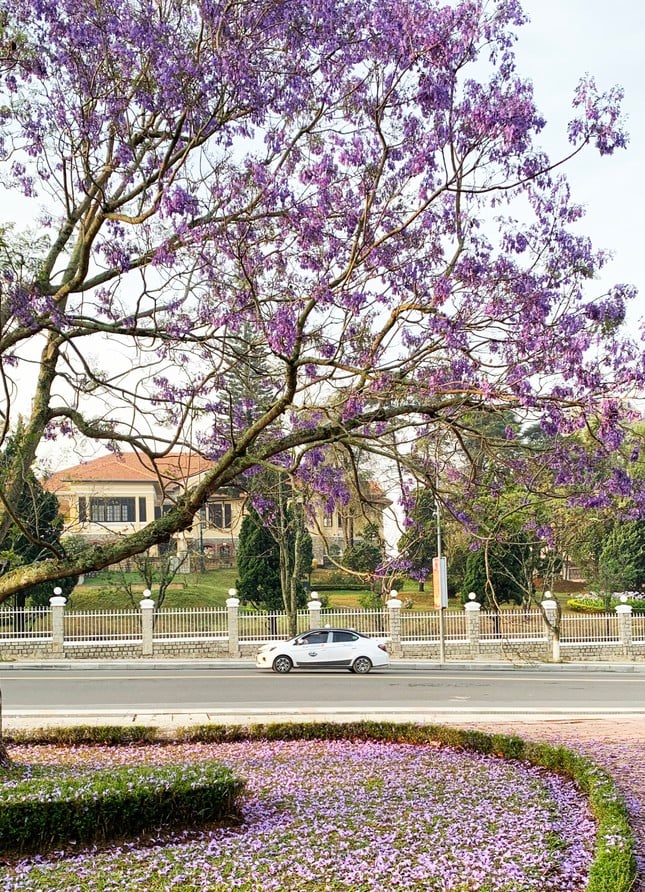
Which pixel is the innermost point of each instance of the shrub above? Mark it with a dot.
(586, 604)
(39, 812)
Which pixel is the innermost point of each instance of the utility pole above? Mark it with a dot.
(439, 583)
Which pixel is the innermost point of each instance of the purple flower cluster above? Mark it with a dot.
(250, 205)
(360, 816)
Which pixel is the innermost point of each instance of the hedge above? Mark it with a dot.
(43, 811)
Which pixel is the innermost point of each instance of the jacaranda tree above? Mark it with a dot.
(353, 192)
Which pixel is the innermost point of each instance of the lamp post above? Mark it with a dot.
(438, 585)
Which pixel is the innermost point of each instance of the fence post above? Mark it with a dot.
(147, 606)
(314, 606)
(473, 623)
(393, 605)
(233, 607)
(624, 612)
(57, 604)
(550, 608)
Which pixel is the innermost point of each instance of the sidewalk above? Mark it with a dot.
(249, 663)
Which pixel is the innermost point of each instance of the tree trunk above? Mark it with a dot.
(4, 754)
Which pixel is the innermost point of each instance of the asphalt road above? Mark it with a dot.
(225, 689)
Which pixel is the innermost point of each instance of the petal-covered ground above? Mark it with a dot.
(618, 744)
(339, 815)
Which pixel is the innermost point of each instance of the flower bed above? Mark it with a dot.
(402, 813)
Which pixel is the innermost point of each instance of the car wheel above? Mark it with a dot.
(362, 665)
(282, 664)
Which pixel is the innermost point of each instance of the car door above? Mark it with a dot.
(311, 649)
(342, 648)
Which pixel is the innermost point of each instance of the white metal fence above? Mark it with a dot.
(268, 626)
(425, 626)
(102, 625)
(589, 628)
(512, 625)
(369, 622)
(30, 622)
(210, 624)
(195, 623)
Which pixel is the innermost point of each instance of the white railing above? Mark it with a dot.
(425, 626)
(638, 627)
(404, 626)
(512, 625)
(28, 622)
(454, 625)
(268, 626)
(582, 628)
(182, 623)
(370, 622)
(102, 625)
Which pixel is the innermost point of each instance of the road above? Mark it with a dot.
(228, 693)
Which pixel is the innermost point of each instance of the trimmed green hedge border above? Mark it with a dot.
(614, 865)
(42, 811)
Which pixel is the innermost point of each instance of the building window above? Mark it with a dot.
(328, 520)
(220, 515)
(112, 510)
(142, 509)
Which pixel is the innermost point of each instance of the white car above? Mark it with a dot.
(325, 649)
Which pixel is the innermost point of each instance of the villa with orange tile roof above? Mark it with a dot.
(117, 494)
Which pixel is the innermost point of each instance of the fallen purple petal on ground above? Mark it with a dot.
(340, 815)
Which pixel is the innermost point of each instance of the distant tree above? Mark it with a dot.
(496, 572)
(363, 557)
(418, 544)
(366, 554)
(258, 565)
(622, 559)
(35, 532)
(274, 557)
(157, 573)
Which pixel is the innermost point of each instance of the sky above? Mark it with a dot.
(565, 40)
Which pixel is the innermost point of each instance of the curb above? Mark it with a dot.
(396, 665)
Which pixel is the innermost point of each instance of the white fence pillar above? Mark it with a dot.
(57, 604)
(233, 608)
(551, 615)
(394, 605)
(473, 623)
(147, 606)
(624, 612)
(314, 606)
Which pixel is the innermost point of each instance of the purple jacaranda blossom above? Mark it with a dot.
(249, 210)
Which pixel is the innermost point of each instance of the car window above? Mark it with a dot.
(344, 636)
(315, 638)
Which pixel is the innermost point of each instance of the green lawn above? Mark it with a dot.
(105, 590)
(210, 589)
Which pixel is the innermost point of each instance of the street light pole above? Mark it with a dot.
(442, 636)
